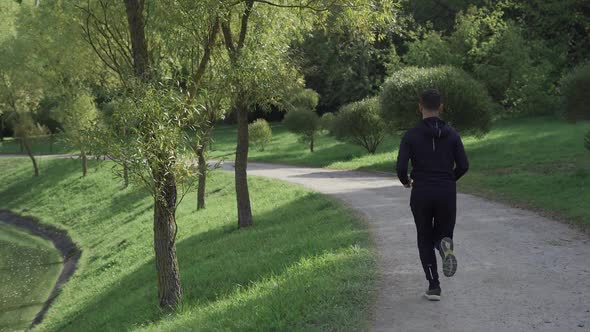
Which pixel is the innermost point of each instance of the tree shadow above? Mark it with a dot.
(54, 172)
(222, 261)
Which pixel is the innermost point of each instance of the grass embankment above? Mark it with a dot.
(307, 264)
(539, 163)
(39, 145)
(29, 267)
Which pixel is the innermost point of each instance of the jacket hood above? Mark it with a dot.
(435, 128)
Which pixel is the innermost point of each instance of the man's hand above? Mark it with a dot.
(409, 184)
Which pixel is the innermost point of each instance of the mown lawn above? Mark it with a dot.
(29, 267)
(307, 264)
(538, 163)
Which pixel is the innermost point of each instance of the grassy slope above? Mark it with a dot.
(29, 267)
(40, 145)
(539, 163)
(306, 265)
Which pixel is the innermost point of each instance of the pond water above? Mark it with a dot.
(29, 267)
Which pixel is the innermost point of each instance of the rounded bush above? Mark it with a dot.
(326, 121)
(574, 91)
(304, 122)
(467, 104)
(259, 133)
(360, 124)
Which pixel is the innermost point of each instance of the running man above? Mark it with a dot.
(438, 161)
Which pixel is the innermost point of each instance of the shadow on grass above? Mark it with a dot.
(296, 267)
(53, 173)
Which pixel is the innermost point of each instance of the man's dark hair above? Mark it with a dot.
(431, 99)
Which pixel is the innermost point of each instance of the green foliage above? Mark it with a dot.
(156, 118)
(326, 121)
(360, 124)
(348, 56)
(25, 127)
(587, 141)
(574, 91)
(514, 73)
(562, 24)
(518, 72)
(304, 122)
(260, 133)
(302, 99)
(467, 105)
(77, 115)
(431, 50)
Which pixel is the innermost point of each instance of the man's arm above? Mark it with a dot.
(403, 157)
(461, 162)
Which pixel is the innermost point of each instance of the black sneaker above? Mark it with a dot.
(433, 293)
(448, 257)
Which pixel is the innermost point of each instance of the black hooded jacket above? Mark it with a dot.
(437, 155)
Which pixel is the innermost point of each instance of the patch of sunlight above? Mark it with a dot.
(299, 277)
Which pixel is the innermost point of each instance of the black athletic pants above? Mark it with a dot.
(434, 214)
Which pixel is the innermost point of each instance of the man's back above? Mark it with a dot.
(437, 155)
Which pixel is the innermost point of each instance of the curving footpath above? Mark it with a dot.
(63, 243)
(518, 271)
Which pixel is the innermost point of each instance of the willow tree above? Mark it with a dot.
(257, 35)
(77, 114)
(20, 89)
(160, 64)
(213, 104)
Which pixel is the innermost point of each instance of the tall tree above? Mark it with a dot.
(258, 53)
(160, 60)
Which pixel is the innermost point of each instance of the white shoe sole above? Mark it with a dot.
(448, 257)
(432, 297)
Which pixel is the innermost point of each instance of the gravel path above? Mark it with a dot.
(518, 271)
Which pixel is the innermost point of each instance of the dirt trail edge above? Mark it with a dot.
(518, 271)
(63, 243)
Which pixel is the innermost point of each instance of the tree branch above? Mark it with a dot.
(206, 57)
(244, 27)
(227, 37)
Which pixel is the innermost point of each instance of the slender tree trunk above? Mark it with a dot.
(169, 289)
(125, 167)
(27, 146)
(125, 175)
(311, 144)
(22, 146)
(1, 128)
(84, 162)
(241, 165)
(202, 177)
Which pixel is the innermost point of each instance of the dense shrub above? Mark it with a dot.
(326, 121)
(302, 99)
(574, 91)
(587, 141)
(467, 105)
(304, 122)
(519, 73)
(431, 50)
(259, 133)
(360, 124)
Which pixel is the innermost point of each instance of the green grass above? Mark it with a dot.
(39, 145)
(539, 163)
(306, 265)
(29, 267)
